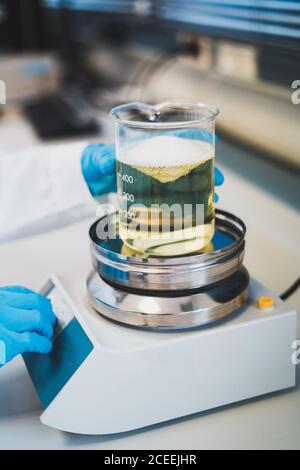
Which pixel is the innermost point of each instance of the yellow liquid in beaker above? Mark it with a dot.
(167, 210)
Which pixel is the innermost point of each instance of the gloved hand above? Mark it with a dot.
(219, 180)
(204, 136)
(98, 163)
(26, 323)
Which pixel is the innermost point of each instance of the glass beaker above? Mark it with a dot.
(165, 172)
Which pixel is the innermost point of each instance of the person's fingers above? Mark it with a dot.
(2, 348)
(18, 289)
(33, 342)
(19, 321)
(28, 300)
(195, 134)
(98, 160)
(12, 344)
(219, 177)
(219, 180)
(104, 159)
(9, 345)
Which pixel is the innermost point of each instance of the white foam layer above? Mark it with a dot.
(165, 151)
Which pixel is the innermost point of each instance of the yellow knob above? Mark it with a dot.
(265, 302)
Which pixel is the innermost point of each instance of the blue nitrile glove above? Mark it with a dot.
(219, 180)
(194, 134)
(204, 136)
(98, 163)
(26, 323)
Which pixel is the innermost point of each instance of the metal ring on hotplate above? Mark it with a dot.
(177, 274)
(164, 313)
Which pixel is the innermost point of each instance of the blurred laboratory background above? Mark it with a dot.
(66, 63)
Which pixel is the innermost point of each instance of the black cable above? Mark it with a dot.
(167, 57)
(163, 60)
(286, 294)
(140, 75)
(160, 62)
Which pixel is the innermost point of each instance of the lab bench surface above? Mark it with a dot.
(266, 198)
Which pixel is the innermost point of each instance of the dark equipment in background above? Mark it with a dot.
(71, 27)
(24, 28)
(21, 26)
(272, 26)
(61, 115)
(64, 24)
(267, 23)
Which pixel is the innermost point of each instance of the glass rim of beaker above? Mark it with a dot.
(214, 110)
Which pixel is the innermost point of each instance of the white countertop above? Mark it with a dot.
(265, 198)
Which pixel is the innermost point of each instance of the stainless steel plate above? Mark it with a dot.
(169, 312)
(122, 269)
